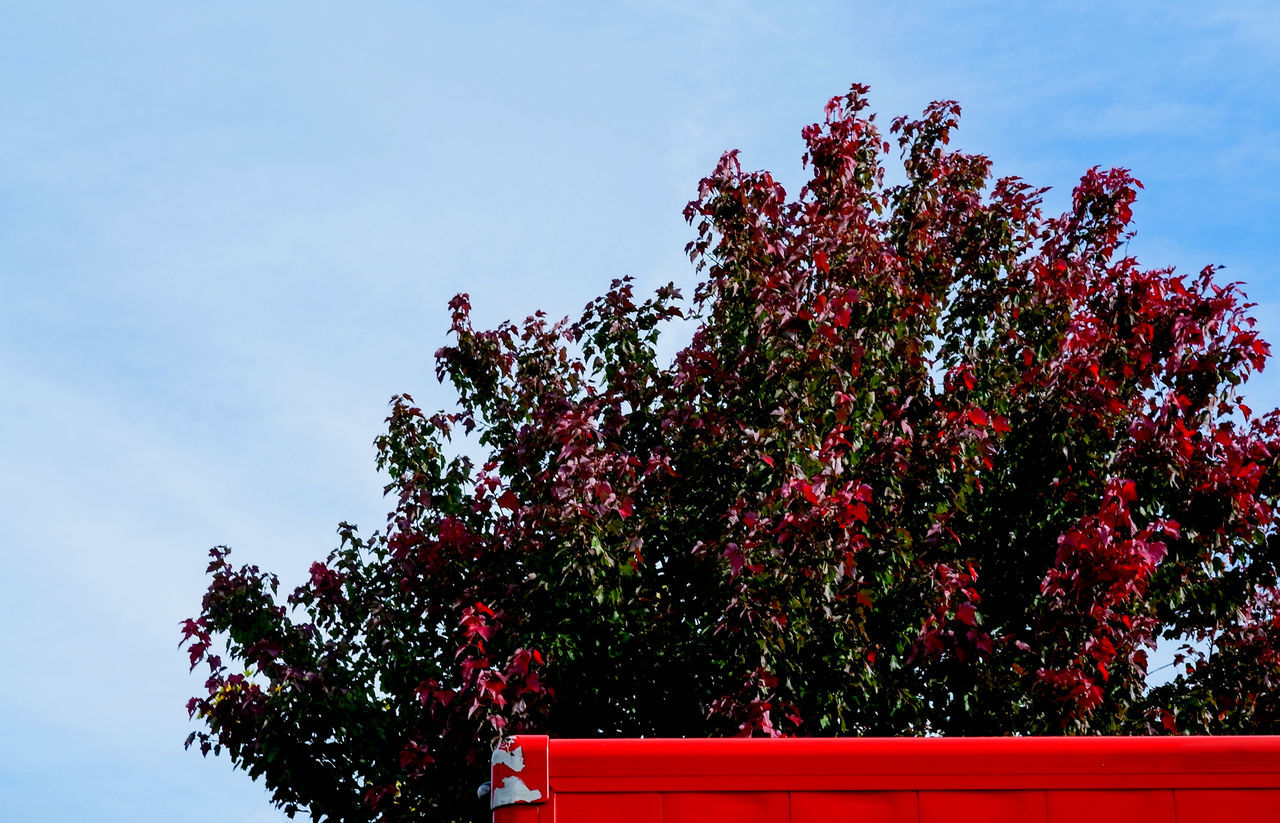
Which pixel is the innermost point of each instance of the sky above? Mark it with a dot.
(228, 232)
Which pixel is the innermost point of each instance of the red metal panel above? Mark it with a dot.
(1227, 806)
(523, 813)
(950, 780)
(854, 807)
(1113, 806)
(608, 808)
(982, 807)
(724, 807)
(908, 764)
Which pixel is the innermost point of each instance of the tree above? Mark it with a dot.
(932, 463)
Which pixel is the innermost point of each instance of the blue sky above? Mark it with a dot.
(228, 232)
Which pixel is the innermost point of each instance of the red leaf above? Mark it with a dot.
(966, 614)
(1000, 424)
(508, 500)
(736, 560)
(820, 260)
(977, 417)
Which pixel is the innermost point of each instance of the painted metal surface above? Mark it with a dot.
(883, 780)
(518, 772)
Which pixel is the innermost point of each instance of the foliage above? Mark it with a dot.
(933, 463)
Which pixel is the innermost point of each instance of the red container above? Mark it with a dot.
(889, 780)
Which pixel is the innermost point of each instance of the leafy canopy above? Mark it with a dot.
(933, 463)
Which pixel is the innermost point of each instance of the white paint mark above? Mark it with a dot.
(513, 759)
(512, 790)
